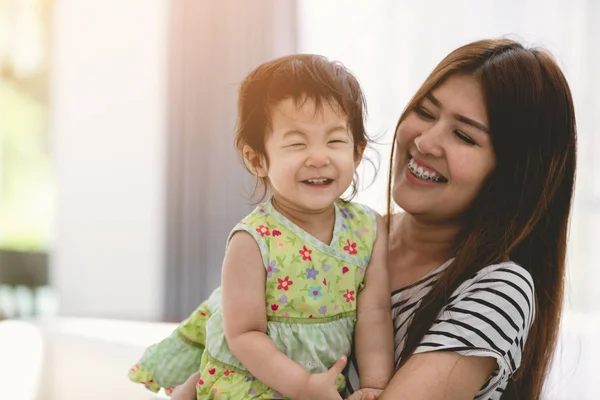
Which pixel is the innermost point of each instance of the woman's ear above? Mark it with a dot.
(254, 161)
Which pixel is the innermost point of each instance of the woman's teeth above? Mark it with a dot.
(424, 174)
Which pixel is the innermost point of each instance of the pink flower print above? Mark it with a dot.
(335, 307)
(325, 281)
(285, 315)
(305, 253)
(228, 372)
(200, 382)
(345, 227)
(365, 230)
(311, 273)
(169, 390)
(310, 316)
(276, 232)
(263, 230)
(349, 295)
(271, 269)
(284, 284)
(346, 214)
(135, 368)
(351, 247)
(345, 270)
(315, 292)
(274, 307)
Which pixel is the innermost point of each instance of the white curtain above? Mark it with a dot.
(393, 45)
(212, 45)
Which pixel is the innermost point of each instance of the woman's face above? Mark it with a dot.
(444, 151)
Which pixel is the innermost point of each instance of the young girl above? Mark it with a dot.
(304, 266)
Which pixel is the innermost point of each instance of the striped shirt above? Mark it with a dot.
(489, 315)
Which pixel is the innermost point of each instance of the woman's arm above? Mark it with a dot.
(374, 330)
(436, 376)
(440, 375)
(245, 322)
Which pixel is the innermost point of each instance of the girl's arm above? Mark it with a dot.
(374, 331)
(245, 321)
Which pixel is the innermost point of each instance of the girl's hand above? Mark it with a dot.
(187, 391)
(365, 394)
(322, 386)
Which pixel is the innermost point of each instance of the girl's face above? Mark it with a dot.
(444, 151)
(311, 155)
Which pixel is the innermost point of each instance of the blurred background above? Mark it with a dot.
(118, 179)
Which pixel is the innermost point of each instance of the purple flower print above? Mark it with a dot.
(326, 267)
(271, 269)
(250, 379)
(311, 273)
(347, 214)
(357, 234)
(323, 310)
(283, 299)
(277, 395)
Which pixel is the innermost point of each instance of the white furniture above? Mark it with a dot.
(78, 358)
(74, 358)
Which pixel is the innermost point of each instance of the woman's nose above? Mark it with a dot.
(430, 142)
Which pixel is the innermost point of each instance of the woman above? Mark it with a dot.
(483, 167)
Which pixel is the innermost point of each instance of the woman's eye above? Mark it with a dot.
(424, 113)
(464, 137)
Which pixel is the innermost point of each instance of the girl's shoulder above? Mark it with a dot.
(353, 210)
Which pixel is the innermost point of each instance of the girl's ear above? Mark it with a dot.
(254, 161)
(359, 155)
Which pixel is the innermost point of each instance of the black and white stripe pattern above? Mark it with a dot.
(489, 315)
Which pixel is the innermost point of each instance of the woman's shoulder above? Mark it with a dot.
(506, 287)
(506, 272)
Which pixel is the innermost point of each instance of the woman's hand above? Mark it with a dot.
(187, 391)
(365, 394)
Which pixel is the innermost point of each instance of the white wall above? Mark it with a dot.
(108, 122)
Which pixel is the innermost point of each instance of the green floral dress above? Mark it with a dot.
(311, 291)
